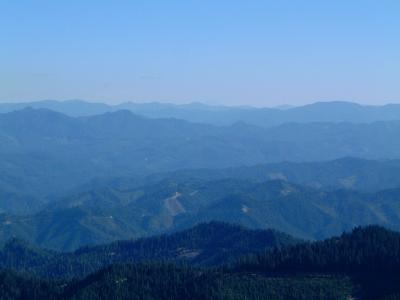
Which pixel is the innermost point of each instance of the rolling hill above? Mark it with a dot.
(106, 214)
(345, 173)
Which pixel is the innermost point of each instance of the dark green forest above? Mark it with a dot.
(363, 263)
(209, 244)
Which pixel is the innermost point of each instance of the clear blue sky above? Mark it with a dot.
(227, 52)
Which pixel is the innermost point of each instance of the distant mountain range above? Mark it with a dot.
(337, 111)
(43, 152)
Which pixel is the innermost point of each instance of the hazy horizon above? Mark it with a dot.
(263, 53)
(116, 103)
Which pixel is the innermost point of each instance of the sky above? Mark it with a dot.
(232, 52)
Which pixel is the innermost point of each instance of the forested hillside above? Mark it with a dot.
(102, 215)
(360, 264)
(209, 244)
